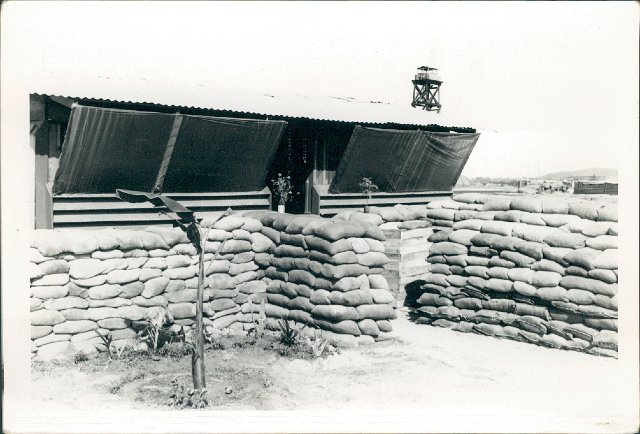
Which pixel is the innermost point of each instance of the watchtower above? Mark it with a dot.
(426, 89)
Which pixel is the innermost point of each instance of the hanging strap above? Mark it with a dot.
(168, 151)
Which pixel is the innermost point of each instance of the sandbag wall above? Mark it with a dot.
(407, 230)
(536, 269)
(328, 273)
(89, 282)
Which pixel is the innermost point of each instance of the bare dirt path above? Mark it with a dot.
(428, 372)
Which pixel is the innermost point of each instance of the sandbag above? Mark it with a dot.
(487, 329)
(606, 301)
(298, 223)
(581, 331)
(579, 296)
(607, 260)
(602, 323)
(506, 243)
(534, 233)
(554, 341)
(447, 248)
(608, 213)
(301, 303)
(521, 275)
(476, 261)
(336, 313)
(330, 248)
(531, 249)
(607, 276)
(347, 327)
(503, 305)
(583, 257)
(524, 288)
(498, 272)
(566, 240)
(475, 270)
(497, 203)
(429, 299)
(468, 303)
(487, 317)
(548, 266)
(496, 261)
(471, 198)
(531, 324)
(499, 285)
(596, 229)
(388, 214)
(585, 210)
(377, 311)
(588, 284)
(458, 281)
(437, 279)
(536, 311)
(559, 220)
(593, 311)
(542, 279)
(603, 242)
(464, 215)
(517, 258)
(526, 204)
(534, 219)
(462, 236)
(368, 327)
(339, 271)
(484, 239)
(556, 254)
(574, 270)
(498, 228)
(439, 236)
(441, 214)
(439, 268)
(485, 252)
(606, 339)
(555, 293)
(552, 205)
(509, 216)
(471, 224)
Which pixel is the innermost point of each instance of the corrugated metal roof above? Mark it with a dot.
(203, 97)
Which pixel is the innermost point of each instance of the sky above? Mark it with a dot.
(550, 85)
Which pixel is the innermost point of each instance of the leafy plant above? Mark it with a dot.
(318, 344)
(289, 334)
(283, 188)
(367, 186)
(183, 397)
(107, 340)
(186, 220)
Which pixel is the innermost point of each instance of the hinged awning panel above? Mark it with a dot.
(402, 161)
(106, 149)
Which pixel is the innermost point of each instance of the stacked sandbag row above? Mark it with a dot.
(531, 269)
(325, 273)
(89, 282)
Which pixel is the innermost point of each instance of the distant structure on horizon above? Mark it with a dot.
(426, 89)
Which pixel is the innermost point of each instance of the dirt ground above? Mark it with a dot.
(424, 371)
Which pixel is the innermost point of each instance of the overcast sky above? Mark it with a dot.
(551, 86)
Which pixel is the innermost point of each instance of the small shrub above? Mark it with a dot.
(175, 350)
(258, 327)
(184, 397)
(80, 357)
(289, 334)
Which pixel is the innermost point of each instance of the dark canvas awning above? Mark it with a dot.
(105, 149)
(403, 161)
